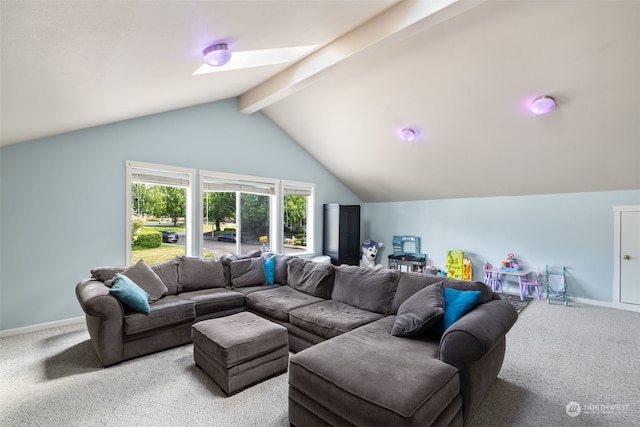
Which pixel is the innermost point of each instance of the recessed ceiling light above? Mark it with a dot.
(258, 58)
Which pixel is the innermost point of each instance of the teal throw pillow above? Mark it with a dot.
(270, 269)
(456, 304)
(130, 294)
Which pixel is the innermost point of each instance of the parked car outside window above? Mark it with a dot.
(227, 237)
(169, 237)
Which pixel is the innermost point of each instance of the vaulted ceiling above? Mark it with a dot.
(462, 73)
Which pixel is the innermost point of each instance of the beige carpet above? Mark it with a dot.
(54, 378)
(555, 355)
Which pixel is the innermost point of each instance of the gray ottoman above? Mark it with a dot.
(240, 350)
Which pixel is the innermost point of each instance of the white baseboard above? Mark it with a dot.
(608, 304)
(41, 327)
(618, 306)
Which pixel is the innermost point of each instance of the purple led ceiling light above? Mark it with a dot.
(543, 105)
(407, 134)
(217, 55)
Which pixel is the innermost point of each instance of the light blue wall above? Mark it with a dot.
(63, 198)
(575, 230)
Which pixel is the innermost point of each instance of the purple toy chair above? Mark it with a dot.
(491, 278)
(526, 284)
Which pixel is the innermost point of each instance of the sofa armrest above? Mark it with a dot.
(475, 334)
(105, 319)
(95, 299)
(475, 345)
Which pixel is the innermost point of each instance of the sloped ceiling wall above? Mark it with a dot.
(460, 72)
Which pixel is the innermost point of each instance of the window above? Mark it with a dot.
(238, 213)
(158, 212)
(297, 215)
(242, 213)
(231, 214)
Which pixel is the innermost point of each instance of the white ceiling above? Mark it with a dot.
(460, 72)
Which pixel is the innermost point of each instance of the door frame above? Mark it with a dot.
(617, 225)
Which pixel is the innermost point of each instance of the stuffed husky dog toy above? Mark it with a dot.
(368, 252)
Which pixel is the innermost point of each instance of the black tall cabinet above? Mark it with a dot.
(342, 233)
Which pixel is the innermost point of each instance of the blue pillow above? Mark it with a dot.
(130, 294)
(270, 269)
(456, 304)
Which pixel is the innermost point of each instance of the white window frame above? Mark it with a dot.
(304, 187)
(276, 216)
(198, 179)
(246, 184)
(167, 173)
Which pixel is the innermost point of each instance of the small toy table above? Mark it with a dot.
(522, 274)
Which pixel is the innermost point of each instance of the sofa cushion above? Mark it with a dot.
(198, 273)
(209, 301)
(419, 312)
(247, 272)
(352, 374)
(279, 302)
(168, 272)
(146, 278)
(107, 273)
(168, 311)
(411, 283)
(246, 290)
(365, 288)
(226, 262)
(310, 277)
(280, 273)
(330, 318)
(130, 294)
(456, 304)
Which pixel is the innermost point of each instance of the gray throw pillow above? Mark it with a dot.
(195, 274)
(168, 272)
(226, 262)
(107, 273)
(280, 274)
(419, 312)
(366, 288)
(247, 272)
(409, 284)
(143, 276)
(310, 277)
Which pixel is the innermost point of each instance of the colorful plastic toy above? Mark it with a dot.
(455, 264)
(511, 264)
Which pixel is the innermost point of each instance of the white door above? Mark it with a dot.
(629, 259)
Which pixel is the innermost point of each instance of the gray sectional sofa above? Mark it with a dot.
(190, 290)
(374, 347)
